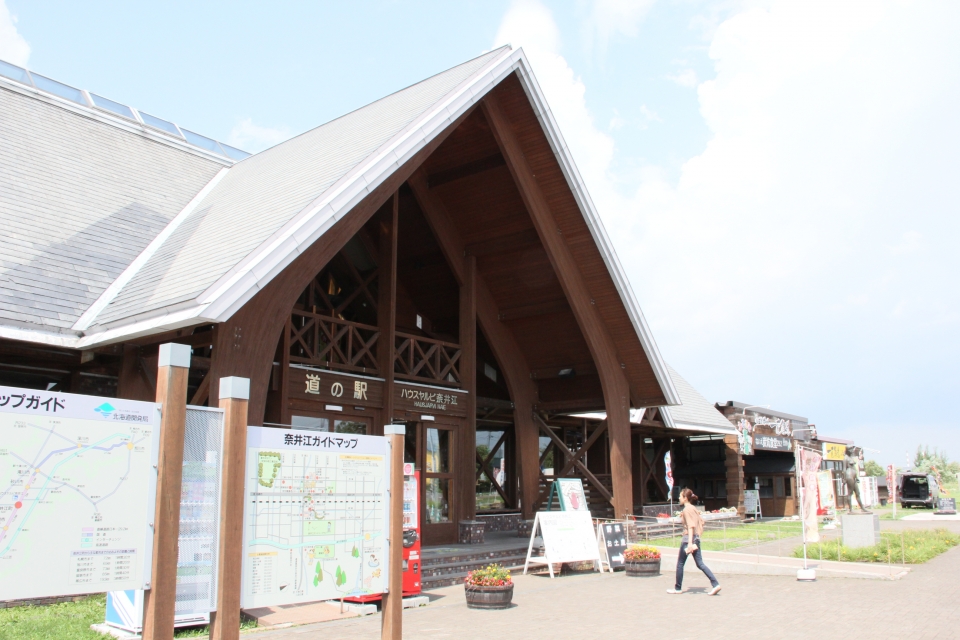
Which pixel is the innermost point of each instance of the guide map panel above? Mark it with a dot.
(315, 516)
(77, 493)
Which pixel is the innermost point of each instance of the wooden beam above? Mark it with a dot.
(202, 394)
(571, 458)
(520, 241)
(468, 380)
(616, 390)
(513, 365)
(391, 621)
(234, 400)
(160, 600)
(465, 170)
(550, 307)
(579, 368)
(387, 304)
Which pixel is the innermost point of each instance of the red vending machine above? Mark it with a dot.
(411, 531)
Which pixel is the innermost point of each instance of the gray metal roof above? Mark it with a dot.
(694, 411)
(261, 194)
(80, 198)
(763, 411)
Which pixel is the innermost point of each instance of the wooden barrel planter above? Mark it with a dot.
(489, 597)
(643, 568)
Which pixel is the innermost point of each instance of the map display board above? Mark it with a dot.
(77, 493)
(315, 516)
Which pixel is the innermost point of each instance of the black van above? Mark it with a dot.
(918, 490)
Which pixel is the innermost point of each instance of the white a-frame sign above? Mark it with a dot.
(568, 536)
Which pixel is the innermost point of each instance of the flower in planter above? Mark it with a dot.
(493, 575)
(640, 553)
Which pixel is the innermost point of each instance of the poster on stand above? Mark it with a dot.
(572, 497)
(828, 503)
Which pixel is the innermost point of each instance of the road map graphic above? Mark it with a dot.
(314, 516)
(77, 490)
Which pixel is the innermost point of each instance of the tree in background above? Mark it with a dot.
(926, 460)
(874, 469)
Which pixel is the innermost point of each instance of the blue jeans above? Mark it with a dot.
(698, 558)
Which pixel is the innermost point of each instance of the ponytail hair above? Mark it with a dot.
(689, 495)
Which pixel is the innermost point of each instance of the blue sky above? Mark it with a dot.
(778, 177)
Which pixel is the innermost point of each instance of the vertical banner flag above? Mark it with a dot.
(669, 473)
(891, 484)
(809, 468)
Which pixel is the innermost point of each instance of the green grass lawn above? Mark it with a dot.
(916, 546)
(66, 621)
(719, 538)
(70, 621)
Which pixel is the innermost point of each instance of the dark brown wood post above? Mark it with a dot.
(392, 621)
(160, 599)
(387, 303)
(234, 399)
(468, 380)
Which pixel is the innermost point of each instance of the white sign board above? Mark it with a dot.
(568, 536)
(572, 497)
(315, 516)
(751, 501)
(77, 493)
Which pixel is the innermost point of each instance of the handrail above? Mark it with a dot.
(420, 358)
(332, 342)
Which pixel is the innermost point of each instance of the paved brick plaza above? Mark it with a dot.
(925, 604)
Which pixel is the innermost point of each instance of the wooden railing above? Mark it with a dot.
(333, 343)
(427, 360)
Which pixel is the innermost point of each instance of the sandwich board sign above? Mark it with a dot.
(568, 536)
(612, 539)
(751, 502)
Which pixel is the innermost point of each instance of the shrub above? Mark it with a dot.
(493, 575)
(639, 553)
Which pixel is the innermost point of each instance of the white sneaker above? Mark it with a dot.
(674, 591)
(714, 591)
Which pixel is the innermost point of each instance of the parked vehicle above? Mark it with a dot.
(918, 490)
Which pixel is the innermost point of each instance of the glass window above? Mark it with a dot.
(487, 495)
(233, 152)
(766, 487)
(163, 125)
(708, 488)
(438, 451)
(778, 485)
(788, 487)
(547, 465)
(309, 422)
(721, 489)
(350, 426)
(13, 72)
(110, 105)
(203, 142)
(58, 89)
(410, 443)
(438, 500)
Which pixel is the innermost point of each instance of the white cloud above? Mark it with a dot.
(253, 138)
(13, 47)
(685, 78)
(608, 17)
(529, 24)
(807, 256)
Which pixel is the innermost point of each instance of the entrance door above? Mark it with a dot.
(430, 446)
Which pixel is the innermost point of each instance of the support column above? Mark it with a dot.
(234, 400)
(734, 471)
(160, 600)
(392, 617)
(467, 492)
(616, 390)
(387, 302)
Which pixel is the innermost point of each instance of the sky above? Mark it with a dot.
(779, 178)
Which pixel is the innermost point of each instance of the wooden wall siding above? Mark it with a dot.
(569, 219)
(245, 342)
(468, 433)
(510, 358)
(610, 367)
(387, 304)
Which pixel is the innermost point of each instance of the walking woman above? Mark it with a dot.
(692, 524)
